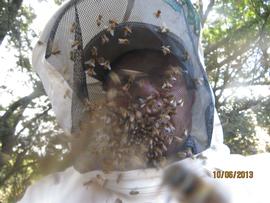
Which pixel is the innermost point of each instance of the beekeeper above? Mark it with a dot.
(127, 83)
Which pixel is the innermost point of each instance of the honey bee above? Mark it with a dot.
(115, 78)
(101, 60)
(112, 26)
(105, 63)
(72, 55)
(133, 192)
(56, 51)
(185, 56)
(119, 177)
(90, 72)
(67, 94)
(113, 23)
(118, 201)
(180, 102)
(40, 43)
(174, 71)
(75, 43)
(186, 132)
(123, 41)
(110, 30)
(127, 30)
(94, 51)
(163, 29)
(166, 50)
(198, 81)
(157, 14)
(104, 39)
(166, 85)
(88, 183)
(91, 62)
(99, 20)
(73, 27)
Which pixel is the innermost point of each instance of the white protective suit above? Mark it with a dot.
(59, 74)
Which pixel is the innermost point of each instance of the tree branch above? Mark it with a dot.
(212, 47)
(9, 120)
(7, 18)
(209, 8)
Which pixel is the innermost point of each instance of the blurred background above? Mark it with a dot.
(236, 42)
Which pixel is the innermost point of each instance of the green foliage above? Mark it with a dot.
(237, 40)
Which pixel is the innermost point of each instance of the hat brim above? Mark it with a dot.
(143, 37)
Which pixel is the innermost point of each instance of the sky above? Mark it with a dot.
(17, 83)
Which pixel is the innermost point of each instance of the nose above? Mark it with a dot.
(144, 89)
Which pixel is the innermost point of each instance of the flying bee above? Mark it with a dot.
(94, 51)
(75, 43)
(91, 62)
(157, 14)
(127, 30)
(115, 78)
(104, 39)
(99, 20)
(73, 27)
(166, 50)
(123, 41)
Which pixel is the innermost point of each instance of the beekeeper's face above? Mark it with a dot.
(154, 75)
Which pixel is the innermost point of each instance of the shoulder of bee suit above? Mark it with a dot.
(70, 186)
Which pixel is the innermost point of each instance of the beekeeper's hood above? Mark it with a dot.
(66, 46)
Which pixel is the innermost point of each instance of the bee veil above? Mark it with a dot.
(106, 29)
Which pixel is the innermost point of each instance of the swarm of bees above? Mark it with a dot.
(138, 133)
